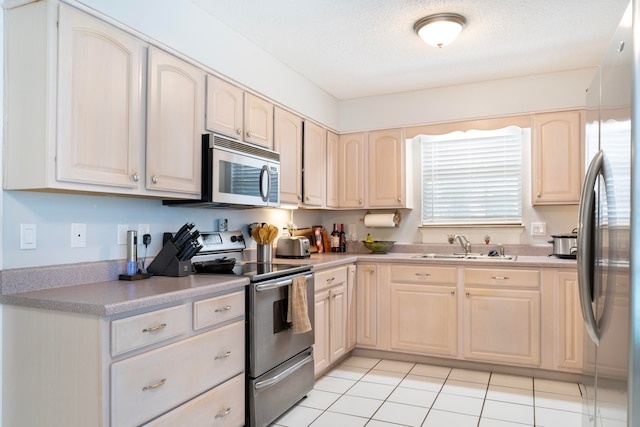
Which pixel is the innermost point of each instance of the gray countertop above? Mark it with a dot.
(116, 296)
(112, 297)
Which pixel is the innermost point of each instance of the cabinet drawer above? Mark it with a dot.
(148, 328)
(213, 311)
(327, 278)
(221, 407)
(147, 385)
(423, 274)
(502, 277)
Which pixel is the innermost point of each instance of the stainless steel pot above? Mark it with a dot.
(565, 245)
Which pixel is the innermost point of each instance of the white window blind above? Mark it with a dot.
(472, 177)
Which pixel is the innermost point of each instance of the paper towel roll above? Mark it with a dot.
(382, 220)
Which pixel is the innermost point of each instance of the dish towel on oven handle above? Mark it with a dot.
(298, 310)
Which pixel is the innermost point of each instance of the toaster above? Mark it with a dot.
(293, 247)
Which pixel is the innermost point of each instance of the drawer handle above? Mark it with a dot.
(423, 274)
(331, 279)
(224, 414)
(224, 356)
(500, 277)
(227, 308)
(155, 328)
(154, 386)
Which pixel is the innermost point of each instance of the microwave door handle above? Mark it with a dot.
(265, 183)
(585, 238)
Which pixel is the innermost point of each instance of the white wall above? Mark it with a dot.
(478, 100)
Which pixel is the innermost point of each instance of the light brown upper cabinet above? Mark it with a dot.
(238, 114)
(314, 185)
(175, 123)
(556, 148)
(387, 172)
(352, 170)
(287, 140)
(77, 118)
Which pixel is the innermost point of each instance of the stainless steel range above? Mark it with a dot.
(279, 364)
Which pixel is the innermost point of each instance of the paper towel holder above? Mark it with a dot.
(396, 218)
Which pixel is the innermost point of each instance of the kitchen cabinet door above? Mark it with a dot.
(367, 305)
(315, 165)
(321, 324)
(569, 327)
(225, 108)
(99, 105)
(258, 121)
(502, 325)
(352, 170)
(331, 317)
(423, 318)
(386, 169)
(175, 123)
(352, 319)
(556, 145)
(333, 170)
(288, 142)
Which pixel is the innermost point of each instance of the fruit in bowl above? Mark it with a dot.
(379, 246)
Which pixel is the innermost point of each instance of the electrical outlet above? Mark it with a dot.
(78, 235)
(142, 230)
(122, 233)
(538, 228)
(27, 236)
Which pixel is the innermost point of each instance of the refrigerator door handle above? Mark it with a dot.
(585, 245)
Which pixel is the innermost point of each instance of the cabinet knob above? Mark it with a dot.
(154, 179)
(135, 177)
(360, 201)
(539, 195)
(248, 134)
(238, 131)
(467, 293)
(299, 197)
(399, 200)
(307, 198)
(453, 293)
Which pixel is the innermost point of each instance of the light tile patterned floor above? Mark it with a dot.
(385, 393)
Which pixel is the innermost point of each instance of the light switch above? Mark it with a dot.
(538, 228)
(27, 236)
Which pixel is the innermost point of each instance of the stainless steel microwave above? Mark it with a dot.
(235, 173)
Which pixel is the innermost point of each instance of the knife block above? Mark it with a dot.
(167, 264)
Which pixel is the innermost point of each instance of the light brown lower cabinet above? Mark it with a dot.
(170, 366)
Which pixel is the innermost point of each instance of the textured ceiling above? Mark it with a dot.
(359, 48)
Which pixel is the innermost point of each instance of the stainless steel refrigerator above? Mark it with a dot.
(607, 246)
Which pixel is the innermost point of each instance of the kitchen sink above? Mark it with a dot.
(468, 256)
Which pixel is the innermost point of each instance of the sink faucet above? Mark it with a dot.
(464, 243)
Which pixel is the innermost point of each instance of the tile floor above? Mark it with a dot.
(385, 393)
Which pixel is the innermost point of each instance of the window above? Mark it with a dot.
(473, 177)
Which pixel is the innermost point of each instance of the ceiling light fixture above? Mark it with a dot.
(440, 29)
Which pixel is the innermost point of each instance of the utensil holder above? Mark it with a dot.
(166, 263)
(264, 253)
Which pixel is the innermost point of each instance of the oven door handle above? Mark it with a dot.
(284, 374)
(275, 285)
